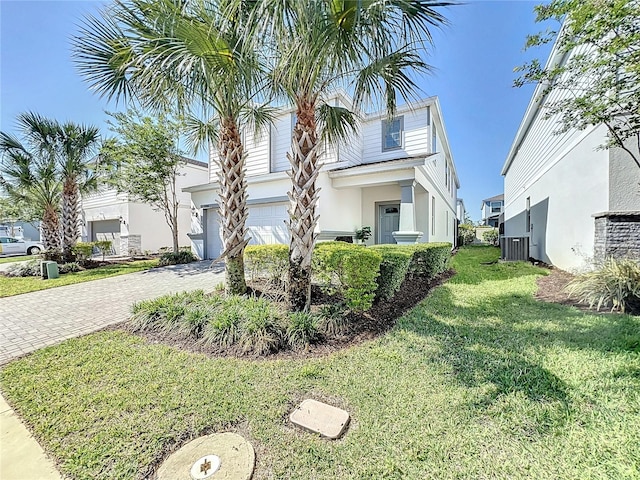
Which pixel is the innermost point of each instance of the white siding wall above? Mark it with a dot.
(415, 142)
(565, 191)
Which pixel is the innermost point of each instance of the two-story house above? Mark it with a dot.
(396, 176)
(574, 200)
(135, 227)
(491, 209)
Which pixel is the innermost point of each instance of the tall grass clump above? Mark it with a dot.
(302, 329)
(615, 284)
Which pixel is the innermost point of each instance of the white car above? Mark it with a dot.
(17, 246)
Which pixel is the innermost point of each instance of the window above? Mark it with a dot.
(434, 139)
(446, 175)
(433, 215)
(496, 207)
(392, 133)
(527, 215)
(447, 222)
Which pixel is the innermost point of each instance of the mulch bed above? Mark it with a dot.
(364, 326)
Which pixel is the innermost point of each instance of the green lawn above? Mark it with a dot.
(480, 381)
(21, 258)
(16, 285)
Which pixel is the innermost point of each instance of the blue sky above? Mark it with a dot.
(473, 58)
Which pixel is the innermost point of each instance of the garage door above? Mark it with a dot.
(107, 230)
(265, 225)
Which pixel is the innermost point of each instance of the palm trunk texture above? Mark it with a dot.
(302, 214)
(70, 198)
(233, 205)
(50, 229)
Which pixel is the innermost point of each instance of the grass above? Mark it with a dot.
(16, 285)
(478, 381)
(21, 258)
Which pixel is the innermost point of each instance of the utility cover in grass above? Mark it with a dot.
(318, 417)
(220, 456)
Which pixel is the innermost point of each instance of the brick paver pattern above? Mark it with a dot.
(34, 320)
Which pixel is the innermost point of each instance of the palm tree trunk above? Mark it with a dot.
(70, 198)
(304, 198)
(50, 228)
(233, 205)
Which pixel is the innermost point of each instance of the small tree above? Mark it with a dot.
(600, 40)
(144, 162)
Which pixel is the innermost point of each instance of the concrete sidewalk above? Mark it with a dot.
(39, 319)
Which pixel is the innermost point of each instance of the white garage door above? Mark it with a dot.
(265, 225)
(107, 230)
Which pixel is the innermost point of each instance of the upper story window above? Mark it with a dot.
(434, 139)
(392, 133)
(496, 207)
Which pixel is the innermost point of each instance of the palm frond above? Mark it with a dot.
(336, 123)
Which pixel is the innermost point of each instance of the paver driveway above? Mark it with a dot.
(34, 320)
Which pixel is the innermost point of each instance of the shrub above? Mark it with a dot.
(171, 258)
(83, 250)
(262, 327)
(393, 268)
(69, 267)
(429, 259)
(491, 237)
(616, 284)
(224, 327)
(349, 269)
(53, 255)
(24, 269)
(163, 313)
(270, 261)
(467, 232)
(104, 247)
(333, 319)
(301, 330)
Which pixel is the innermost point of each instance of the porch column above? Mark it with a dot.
(407, 234)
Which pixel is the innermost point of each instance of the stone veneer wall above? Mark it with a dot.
(617, 234)
(130, 244)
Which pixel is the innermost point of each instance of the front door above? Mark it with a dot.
(389, 222)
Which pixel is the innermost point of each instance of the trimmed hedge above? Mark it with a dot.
(171, 258)
(350, 269)
(267, 260)
(393, 268)
(429, 259)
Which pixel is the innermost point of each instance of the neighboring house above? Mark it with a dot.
(396, 176)
(575, 201)
(135, 227)
(491, 210)
(23, 230)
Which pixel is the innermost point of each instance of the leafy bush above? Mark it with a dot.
(491, 237)
(350, 270)
(270, 261)
(104, 246)
(467, 232)
(83, 250)
(616, 284)
(393, 268)
(429, 259)
(24, 269)
(302, 329)
(53, 255)
(170, 258)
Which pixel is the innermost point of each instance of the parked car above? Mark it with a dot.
(18, 246)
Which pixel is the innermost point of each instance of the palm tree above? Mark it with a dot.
(185, 55)
(77, 156)
(370, 46)
(30, 176)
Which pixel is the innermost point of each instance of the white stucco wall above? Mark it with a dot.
(564, 193)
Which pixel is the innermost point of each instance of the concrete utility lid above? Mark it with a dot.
(221, 456)
(318, 417)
